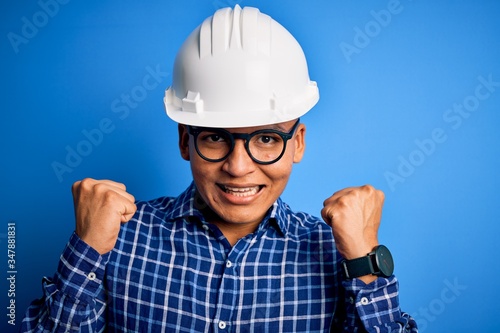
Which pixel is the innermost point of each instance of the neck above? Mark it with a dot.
(234, 231)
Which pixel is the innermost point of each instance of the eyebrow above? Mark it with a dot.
(278, 128)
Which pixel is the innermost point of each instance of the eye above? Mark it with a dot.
(215, 138)
(212, 137)
(268, 139)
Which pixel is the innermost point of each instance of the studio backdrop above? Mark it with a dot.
(410, 103)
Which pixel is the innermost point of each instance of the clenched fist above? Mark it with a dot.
(354, 214)
(100, 208)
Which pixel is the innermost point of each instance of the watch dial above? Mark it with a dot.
(384, 261)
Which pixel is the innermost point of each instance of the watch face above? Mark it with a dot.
(384, 261)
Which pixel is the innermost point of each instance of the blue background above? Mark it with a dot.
(386, 84)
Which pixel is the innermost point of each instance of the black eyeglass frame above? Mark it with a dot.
(195, 131)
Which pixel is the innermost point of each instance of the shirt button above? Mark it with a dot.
(91, 276)
(364, 301)
(229, 264)
(222, 325)
(205, 227)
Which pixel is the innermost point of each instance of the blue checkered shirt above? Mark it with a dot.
(172, 271)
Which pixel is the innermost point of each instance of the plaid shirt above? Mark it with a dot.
(172, 271)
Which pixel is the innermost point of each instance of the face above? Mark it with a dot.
(239, 190)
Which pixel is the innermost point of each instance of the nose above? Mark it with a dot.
(239, 163)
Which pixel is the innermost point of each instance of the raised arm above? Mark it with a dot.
(371, 301)
(74, 300)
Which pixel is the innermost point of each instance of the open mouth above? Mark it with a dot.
(241, 191)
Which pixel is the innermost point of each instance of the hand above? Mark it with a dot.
(100, 208)
(354, 214)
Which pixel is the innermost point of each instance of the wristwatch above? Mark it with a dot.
(378, 262)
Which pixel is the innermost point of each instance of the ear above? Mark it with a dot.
(183, 141)
(300, 143)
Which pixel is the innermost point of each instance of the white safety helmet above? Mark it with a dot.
(239, 68)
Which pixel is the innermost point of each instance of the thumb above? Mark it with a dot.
(328, 215)
(128, 211)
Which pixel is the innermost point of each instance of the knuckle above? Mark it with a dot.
(119, 185)
(100, 188)
(131, 207)
(368, 188)
(371, 191)
(343, 201)
(86, 184)
(328, 216)
(108, 195)
(87, 181)
(381, 195)
(330, 200)
(75, 186)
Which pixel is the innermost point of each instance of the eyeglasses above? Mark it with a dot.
(264, 146)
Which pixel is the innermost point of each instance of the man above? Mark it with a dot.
(227, 255)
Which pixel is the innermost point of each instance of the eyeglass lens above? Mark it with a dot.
(262, 146)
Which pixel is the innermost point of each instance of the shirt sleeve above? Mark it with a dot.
(74, 299)
(375, 307)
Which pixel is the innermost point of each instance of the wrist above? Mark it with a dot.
(360, 250)
(367, 278)
(378, 262)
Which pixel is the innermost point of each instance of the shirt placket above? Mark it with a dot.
(228, 294)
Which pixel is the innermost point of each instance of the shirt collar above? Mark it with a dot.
(189, 204)
(278, 216)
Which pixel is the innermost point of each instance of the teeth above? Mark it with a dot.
(242, 191)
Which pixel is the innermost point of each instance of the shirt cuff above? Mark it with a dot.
(375, 304)
(81, 270)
